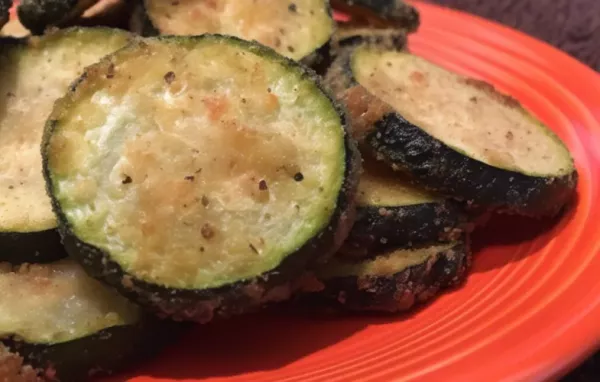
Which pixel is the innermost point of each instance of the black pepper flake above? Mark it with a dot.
(293, 8)
(207, 231)
(205, 202)
(269, 90)
(190, 178)
(201, 249)
(262, 185)
(298, 177)
(11, 187)
(169, 78)
(291, 49)
(253, 248)
(110, 71)
(509, 135)
(127, 180)
(243, 100)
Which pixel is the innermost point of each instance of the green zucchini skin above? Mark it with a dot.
(380, 13)
(38, 15)
(382, 228)
(396, 293)
(236, 298)
(406, 147)
(31, 247)
(102, 353)
(5, 6)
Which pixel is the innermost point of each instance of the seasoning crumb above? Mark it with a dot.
(262, 185)
(207, 231)
(201, 249)
(253, 248)
(169, 78)
(509, 136)
(110, 71)
(293, 8)
(127, 179)
(205, 202)
(298, 177)
(190, 178)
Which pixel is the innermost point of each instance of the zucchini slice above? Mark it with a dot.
(392, 282)
(199, 174)
(4, 8)
(457, 135)
(393, 213)
(297, 29)
(67, 325)
(39, 15)
(380, 13)
(34, 74)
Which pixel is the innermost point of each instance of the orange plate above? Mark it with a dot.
(529, 311)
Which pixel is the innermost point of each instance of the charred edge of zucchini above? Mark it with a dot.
(102, 353)
(406, 147)
(378, 229)
(240, 297)
(380, 13)
(38, 15)
(5, 6)
(140, 23)
(31, 247)
(390, 39)
(399, 292)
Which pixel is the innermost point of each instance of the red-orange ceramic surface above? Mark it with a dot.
(531, 307)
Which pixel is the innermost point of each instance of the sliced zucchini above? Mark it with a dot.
(5, 6)
(393, 282)
(199, 174)
(34, 74)
(39, 15)
(380, 13)
(393, 213)
(298, 29)
(68, 325)
(457, 135)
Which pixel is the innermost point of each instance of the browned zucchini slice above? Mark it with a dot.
(39, 15)
(208, 172)
(395, 281)
(35, 72)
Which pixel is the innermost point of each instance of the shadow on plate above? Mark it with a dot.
(509, 238)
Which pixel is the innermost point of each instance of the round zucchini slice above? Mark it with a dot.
(392, 282)
(200, 174)
(39, 15)
(380, 13)
(68, 326)
(394, 213)
(35, 73)
(297, 29)
(457, 135)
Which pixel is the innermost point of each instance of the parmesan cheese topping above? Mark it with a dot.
(464, 114)
(294, 28)
(46, 304)
(196, 166)
(31, 79)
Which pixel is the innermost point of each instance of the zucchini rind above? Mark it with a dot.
(34, 74)
(380, 13)
(67, 326)
(39, 15)
(297, 29)
(456, 135)
(392, 282)
(4, 8)
(198, 175)
(393, 213)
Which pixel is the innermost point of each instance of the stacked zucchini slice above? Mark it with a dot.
(203, 169)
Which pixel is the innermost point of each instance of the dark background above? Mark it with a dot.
(571, 25)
